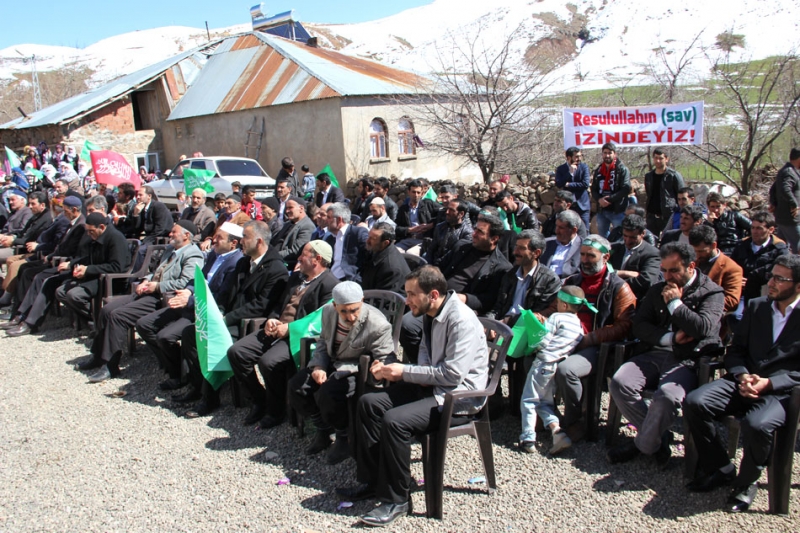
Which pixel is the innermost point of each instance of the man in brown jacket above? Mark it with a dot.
(615, 303)
(721, 269)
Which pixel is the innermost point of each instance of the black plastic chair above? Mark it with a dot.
(414, 261)
(434, 445)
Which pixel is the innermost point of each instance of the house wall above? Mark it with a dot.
(358, 114)
(309, 132)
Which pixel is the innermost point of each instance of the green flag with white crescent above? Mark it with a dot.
(86, 157)
(213, 337)
(329, 171)
(198, 178)
(13, 159)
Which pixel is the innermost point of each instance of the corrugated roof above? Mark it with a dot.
(87, 102)
(257, 70)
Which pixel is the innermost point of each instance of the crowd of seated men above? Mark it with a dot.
(683, 280)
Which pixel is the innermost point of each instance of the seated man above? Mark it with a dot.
(562, 255)
(308, 289)
(762, 368)
(757, 254)
(415, 218)
(385, 268)
(615, 305)
(382, 186)
(615, 235)
(564, 200)
(474, 272)
(452, 357)
(294, 234)
(377, 214)
(173, 273)
(455, 229)
(363, 199)
(200, 215)
(691, 216)
(731, 226)
(347, 242)
(36, 224)
(350, 329)
(519, 214)
(151, 217)
(720, 269)
(634, 259)
(677, 322)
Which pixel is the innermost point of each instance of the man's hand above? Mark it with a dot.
(603, 202)
(671, 292)
(682, 338)
(180, 300)
(205, 245)
(138, 208)
(462, 297)
(79, 271)
(31, 246)
(319, 375)
(62, 267)
(147, 287)
(6, 240)
(377, 369)
(627, 274)
(392, 372)
(275, 328)
(795, 211)
(752, 385)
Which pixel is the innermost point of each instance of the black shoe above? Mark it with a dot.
(741, 498)
(256, 413)
(322, 441)
(623, 453)
(105, 373)
(663, 454)
(6, 315)
(170, 384)
(22, 329)
(12, 323)
(385, 514)
(192, 395)
(204, 408)
(709, 482)
(90, 364)
(269, 422)
(339, 452)
(357, 493)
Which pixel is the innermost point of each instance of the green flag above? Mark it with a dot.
(213, 337)
(512, 222)
(197, 178)
(88, 146)
(528, 333)
(431, 195)
(13, 159)
(503, 218)
(329, 171)
(308, 326)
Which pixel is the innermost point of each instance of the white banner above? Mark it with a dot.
(660, 125)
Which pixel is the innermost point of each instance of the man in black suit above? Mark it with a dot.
(153, 218)
(762, 368)
(415, 218)
(634, 259)
(385, 268)
(295, 233)
(348, 243)
(41, 219)
(360, 207)
(562, 255)
(308, 289)
(327, 193)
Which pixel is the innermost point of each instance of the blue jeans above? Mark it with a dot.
(606, 219)
(537, 398)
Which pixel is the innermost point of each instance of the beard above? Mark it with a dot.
(423, 308)
(590, 269)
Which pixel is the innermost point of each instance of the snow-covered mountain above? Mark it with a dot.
(604, 43)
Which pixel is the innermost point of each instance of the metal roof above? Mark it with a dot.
(188, 65)
(258, 70)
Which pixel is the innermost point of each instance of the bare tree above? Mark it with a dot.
(669, 68)
(485, 104)
(752, 105)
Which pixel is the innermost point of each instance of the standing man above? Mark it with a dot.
(762, 369)
(574, 176)
(634, 259)
(662, 185)
(678, 321)
(288, 174)
(610, 189)
(452, 357)
(785, 198)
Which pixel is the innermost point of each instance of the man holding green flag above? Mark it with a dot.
(520, 216)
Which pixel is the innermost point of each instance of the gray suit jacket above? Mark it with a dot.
(572, 263)
(297, 237)
(181, 271)
(371, 335)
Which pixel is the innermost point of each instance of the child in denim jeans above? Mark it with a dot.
(564, 333)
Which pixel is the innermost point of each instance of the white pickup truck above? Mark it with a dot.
(228, 169)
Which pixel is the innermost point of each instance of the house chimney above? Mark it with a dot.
(312, 42)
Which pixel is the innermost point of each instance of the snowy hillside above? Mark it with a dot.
(619, 36)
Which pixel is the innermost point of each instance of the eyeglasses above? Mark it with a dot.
(778, 279)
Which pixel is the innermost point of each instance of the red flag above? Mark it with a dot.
(112, 168)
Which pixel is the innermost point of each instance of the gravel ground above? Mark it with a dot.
(76, 458)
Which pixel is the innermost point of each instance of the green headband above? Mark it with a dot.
(574, 300)
(596, 245)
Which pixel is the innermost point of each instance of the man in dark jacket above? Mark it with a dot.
(574, 176)
(36, 224)
(381, 190)
(762, 369)
(308, 289)
(385, 268)
(691, 216)
(731, 226)
(678, 321)
(519, 214)
(415, 218)
(564, 200)
(610, 189)
(19, 216)
(785, 199)
(757, 254)
(327, 193)
(634, 259)
(661, 185)
(474, 271)
(455, 229)
(153, 218)
(360, 206)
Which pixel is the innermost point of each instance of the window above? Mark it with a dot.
(405, 137)
(148, 160)
(377, 139)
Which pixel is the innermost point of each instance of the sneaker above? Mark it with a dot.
(561, 442)
(527, 446)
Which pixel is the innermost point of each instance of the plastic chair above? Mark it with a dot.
(434, 445)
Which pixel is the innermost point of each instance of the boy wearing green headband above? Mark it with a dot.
(564, 333)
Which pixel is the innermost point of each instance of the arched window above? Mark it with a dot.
(405, 137)
(377, 139)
